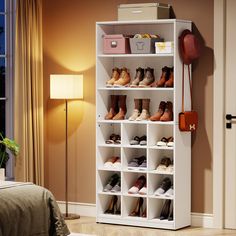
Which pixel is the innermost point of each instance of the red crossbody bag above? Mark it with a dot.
(188, 120)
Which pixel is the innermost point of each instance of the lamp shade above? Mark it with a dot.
(66, 86)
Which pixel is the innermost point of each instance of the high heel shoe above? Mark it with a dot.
(112, 205)
(138, 208)
(144, 214)
(165, 210)
(170, 218)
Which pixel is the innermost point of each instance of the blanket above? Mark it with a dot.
(29, 210)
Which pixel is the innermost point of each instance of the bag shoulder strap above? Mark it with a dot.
(190, 87)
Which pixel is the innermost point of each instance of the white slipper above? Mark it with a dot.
(133, 190)
(169, 192)
(143, 190)
(159, 192)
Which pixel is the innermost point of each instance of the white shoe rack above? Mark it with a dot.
(170, 30)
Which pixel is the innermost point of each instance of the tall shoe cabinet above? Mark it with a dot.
(181, 152)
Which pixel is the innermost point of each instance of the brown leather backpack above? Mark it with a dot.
(189, 49)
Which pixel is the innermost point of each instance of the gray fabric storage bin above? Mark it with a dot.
(143, 45)
(143, 11)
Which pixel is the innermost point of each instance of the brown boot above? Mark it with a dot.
(148, 78)
(168, 114)
(122, 111)
(124, 78)
(138, 77)
(170, 82)
(145, 110)
(114, 77)
(159, 113)
(164, 76)
(113, 107)
(137, 109)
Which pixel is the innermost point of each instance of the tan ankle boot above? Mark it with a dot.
(138, 77)
(122, 111)
(159, 113)
(114, 77)
(145, 110)
(137, 109)
(168, 114)
(113, 107)
(148, 78)
(124, 78)
(170, 82)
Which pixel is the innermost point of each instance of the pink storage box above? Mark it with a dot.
(115, 44)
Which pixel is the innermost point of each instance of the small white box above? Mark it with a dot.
(164, 47)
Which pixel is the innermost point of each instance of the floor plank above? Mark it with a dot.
(88, 225)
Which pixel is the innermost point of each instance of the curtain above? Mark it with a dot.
(28, 92)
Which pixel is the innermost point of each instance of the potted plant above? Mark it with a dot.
(6, 144)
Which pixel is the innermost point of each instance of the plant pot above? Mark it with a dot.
(2, 174)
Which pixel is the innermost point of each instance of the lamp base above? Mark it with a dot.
(71, 216)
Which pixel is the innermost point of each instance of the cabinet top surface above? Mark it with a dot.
(162, 21)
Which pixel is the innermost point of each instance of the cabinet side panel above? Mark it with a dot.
(182, 152)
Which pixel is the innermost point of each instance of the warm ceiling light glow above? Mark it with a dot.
(66, 86)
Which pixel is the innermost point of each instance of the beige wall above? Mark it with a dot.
(69, 47)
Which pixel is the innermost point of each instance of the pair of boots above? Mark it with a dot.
(164, 113)
(118, 108)
(141, 110)
(119, 77)
(143, 78)
(167, 77)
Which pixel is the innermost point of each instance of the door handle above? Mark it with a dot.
(229, 118)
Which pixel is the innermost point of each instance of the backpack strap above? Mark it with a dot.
(190, 87)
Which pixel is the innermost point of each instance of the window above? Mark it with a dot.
(6, 72)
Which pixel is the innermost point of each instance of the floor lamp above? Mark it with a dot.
(66, 87)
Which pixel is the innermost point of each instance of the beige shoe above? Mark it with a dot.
(135, 115)
(114, 77)
(124, 79)
(144, 115)
(145, 110)
(137, 109)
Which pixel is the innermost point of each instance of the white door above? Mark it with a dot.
(230, 108)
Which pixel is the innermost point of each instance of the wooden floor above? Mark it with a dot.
(88, 225)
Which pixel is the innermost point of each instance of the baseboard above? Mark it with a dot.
(88, 209)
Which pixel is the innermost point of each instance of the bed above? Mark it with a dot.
(29, 210)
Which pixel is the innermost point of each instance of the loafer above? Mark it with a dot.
(111, 182)
(140, 182)
(143, 190)
(109, 163)
(136, 162)
(165, 185)
(116, 188)
(169, 192)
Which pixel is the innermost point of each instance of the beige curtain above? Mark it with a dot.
(28, 92)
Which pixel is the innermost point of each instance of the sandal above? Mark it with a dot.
(165, 162)
(162, 142)
(114, 139)
(170, 142)
(135, 141)
(143, 140)
(136, 162)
